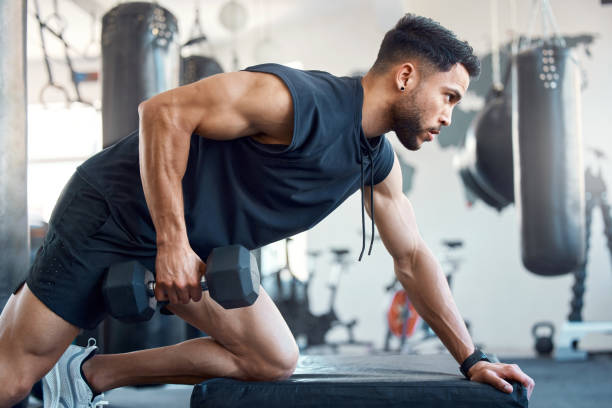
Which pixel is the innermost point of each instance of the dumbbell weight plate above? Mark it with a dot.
(232, 276)
(125, 292)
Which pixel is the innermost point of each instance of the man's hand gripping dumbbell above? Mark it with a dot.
(232, 279)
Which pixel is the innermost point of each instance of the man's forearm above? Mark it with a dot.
(163, 153)
(428, 290)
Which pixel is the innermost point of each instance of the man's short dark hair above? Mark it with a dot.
(422, 37)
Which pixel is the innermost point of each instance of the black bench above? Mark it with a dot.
(361, 381)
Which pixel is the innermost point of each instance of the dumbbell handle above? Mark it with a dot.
(151, 287)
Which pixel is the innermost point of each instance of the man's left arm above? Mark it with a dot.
(421, 276)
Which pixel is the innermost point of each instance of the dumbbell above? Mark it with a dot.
(232, 279)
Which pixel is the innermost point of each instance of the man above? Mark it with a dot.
(240, 158)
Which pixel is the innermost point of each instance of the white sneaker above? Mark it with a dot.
(64, 386)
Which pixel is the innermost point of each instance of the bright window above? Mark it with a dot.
(59, 139)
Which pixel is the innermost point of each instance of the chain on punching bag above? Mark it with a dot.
(140, 58)
(547, 149)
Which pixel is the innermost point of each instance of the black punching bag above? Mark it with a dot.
(14, 247)
(196, 67)
(140, 58)
(548, 169)
(485, 163)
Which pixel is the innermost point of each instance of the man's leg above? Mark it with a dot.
(252, 343)
(32, 339)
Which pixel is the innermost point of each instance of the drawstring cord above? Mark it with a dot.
(362, 209)
(371, 199)
(362, 186)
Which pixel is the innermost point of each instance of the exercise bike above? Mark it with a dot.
(291, 296)
(403, 321)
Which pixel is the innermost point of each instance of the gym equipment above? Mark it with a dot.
(547, 149)
(14, 261)
(374, 381)
(575, 329)
(197, 59)
(485, 161)
(402, 317)
(404, 322)
(290, 295)
(485, 164)
(196, 67)
(232, 278)
(76, 77)
(140, 58)
(321, 324)
(543, 342)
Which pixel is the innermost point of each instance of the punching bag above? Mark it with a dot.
(14, 239)
(196, 67)
(485, 163)
(140, 58)
(548, 169)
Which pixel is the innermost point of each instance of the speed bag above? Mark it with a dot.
(548, 169)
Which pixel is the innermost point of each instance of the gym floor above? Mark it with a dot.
(580, 384)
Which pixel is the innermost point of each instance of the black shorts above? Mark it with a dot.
(82, 242)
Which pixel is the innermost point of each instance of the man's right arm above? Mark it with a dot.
(221, 107)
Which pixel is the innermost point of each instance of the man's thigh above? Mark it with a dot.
(255, 332)
(32, 337)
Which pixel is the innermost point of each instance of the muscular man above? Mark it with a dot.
(244, 158)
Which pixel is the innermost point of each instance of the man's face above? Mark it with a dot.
(419, 114)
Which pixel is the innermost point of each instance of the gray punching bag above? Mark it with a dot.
(140, 58)
(14, 247)
(548, 169)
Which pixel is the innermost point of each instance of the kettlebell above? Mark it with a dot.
(543, 343)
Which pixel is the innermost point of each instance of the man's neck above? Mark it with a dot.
(376, 113)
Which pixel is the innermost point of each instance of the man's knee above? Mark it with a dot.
(16, 387)
(275, 368)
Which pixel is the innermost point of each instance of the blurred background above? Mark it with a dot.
(315, 276)
(478, 244)
(87, 64)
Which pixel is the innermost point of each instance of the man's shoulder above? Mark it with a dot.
(297, 76)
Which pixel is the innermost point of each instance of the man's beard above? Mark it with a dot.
(406, 117)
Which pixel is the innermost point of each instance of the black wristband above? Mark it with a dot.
(476, 356)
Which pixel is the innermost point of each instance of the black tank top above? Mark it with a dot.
(244, 192)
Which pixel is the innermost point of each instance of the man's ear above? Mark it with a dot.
(405, 77)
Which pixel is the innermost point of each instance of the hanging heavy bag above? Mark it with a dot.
(196, 67)
(140, 58)
(548, 170)
(197, 56)
(485, 165)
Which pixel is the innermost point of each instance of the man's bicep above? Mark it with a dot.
(394, 216)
